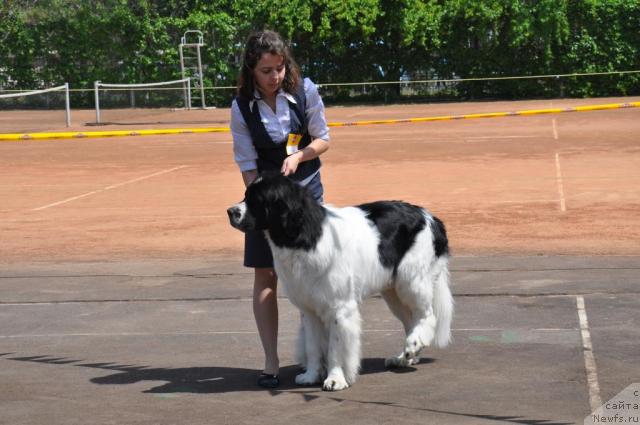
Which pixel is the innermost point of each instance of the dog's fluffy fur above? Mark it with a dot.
(330, 259)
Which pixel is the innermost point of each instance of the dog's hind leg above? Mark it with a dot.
(398, 308)
(314, 341)
(344, 347)
(417, 296)
(403, 313)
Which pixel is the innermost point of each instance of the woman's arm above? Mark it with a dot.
(244, 153)
(318, 130)
(249, 176)
(316, 148)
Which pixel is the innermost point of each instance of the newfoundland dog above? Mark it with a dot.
(329, 259)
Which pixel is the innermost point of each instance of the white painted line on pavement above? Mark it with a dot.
(118, 334)
(589, 359)
(563, 204)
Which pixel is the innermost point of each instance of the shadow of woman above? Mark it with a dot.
(207, 380)
(201, 380)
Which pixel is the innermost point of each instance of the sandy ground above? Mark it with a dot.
(547, 184)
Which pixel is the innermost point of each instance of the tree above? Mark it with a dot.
(48, 42)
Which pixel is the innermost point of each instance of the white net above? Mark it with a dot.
(48, 105)
(130, 103)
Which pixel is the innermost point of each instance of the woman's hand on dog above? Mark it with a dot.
(290, 164)
(316, 148)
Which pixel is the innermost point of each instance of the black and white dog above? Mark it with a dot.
(329, 259)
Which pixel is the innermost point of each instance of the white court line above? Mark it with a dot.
(64, 201)
(500, 137)
(87, 334)
(144, 177)
(109, 334)
(411, 139)
(472, 139)
(68, 200)
(524, 201)
(555, 129)
(563, 204)
(589, 360)
(366, 111)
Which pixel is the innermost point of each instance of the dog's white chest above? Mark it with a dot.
(297, 274)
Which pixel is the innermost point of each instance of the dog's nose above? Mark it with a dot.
(234, 214)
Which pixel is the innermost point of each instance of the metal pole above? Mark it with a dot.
(68, 104)
(188, 94)
(97, 97)
(200, 75)
(182, 60)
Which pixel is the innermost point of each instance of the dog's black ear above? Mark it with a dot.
(258, 200)
(284, 208)
(291, 214)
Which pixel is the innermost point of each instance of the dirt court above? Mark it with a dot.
(123, 300)
(546, 184)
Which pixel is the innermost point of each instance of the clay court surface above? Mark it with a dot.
(116, 256)
(546, 184)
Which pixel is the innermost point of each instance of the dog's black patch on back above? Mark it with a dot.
(398, 224)
(440, 241)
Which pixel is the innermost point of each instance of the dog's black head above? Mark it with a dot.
(286, 210)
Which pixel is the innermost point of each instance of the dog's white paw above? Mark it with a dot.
(413, 347)
(307, 378)
(335, 383)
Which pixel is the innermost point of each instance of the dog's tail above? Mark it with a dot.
(442, 303)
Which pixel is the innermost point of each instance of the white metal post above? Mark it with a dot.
(201, 76)
(97, 97)
(188, 94)
(182, 59)
(68, 104)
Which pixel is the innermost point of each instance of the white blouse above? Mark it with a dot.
(277, 124)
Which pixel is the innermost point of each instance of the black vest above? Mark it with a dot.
(271, 155)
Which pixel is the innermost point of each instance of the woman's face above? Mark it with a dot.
(269, 73)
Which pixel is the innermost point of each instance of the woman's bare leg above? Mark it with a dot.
(265, 311)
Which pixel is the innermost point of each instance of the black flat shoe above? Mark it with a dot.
(268, 381)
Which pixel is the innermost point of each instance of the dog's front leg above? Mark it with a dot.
(344, 348)
(313, 334)
(301, 345)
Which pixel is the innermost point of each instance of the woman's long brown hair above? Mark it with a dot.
(258, 44)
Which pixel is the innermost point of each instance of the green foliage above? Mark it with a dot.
(604, 36)
(49, 42)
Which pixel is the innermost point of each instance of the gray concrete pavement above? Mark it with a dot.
(173, 342)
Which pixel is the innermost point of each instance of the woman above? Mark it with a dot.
(277, 123)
